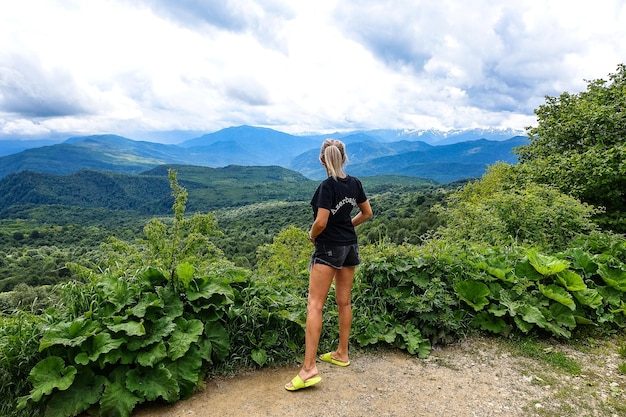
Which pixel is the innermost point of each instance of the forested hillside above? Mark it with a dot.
(43, 230)
(148, 192)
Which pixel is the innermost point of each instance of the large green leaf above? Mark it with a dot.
(155, 331)
(378, 329)
(213, 290)
(584, 320)
(153, 383)
(621, 309)
(48, 374)
(583, 261)
(154, 277)
(561, 319)
(497, 310)
(205, 349)
(259, 356)
(496, 268)
(557, 330)
(118, 292)
(72, 333)
(146, 301)
(523, 325)
(486, 321)
(571, 280)
(610, 295)
(84, 392)
(219, 338)
(424, 349)
(545, 264)
(614, 277)
(411, 336)
(509, 299)
(97, 345)
(130, 327)
(152, 355)
(524, 269)
(187, 371)
(185, 272)
(117, 400)
(186, 333)
(121, 355)
(473, 293)
(562, 315)
(173, 305)
(558, 294)
(531, 314)
(500, 273)
(589, 297)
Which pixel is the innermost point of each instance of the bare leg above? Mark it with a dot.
(319, 285)
(343, 295)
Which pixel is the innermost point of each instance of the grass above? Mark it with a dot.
(19, 343)
(543, 352)
(581, 377)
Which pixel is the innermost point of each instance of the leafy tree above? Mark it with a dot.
(287, 257)
(27, 298)
(187, 240)
(402, 217)
(34, 266)
(504, 207)
(579, 146)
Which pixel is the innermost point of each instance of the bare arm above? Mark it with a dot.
(321, 220)
(364, 214)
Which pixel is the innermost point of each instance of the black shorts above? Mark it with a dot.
(335, 256)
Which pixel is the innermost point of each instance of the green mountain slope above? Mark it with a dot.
(106, 153)
(149, 192)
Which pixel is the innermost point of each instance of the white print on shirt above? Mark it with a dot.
(346, 200)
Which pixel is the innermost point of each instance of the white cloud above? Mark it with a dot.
(22, 127)
(121, 66)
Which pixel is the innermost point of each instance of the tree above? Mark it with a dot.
(286, 258)
(178, 246)
(579, 146)
(503, 208)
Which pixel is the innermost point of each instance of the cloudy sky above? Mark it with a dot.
(73, 67)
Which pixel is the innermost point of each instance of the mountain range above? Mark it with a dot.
(441, 156)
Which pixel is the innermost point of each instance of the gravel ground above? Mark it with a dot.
(477, 377)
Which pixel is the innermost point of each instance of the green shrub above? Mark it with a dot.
(412, 296)
(502, 209)
(27, 298)
(404, 296)
(133, 333)
(20, 333)
(140, 341)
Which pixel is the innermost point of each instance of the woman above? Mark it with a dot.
(335, 257)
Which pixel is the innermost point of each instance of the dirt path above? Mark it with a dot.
(473, 378)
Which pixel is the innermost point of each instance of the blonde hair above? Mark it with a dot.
(333, 156)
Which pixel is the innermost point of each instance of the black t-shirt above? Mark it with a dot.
(339, 196)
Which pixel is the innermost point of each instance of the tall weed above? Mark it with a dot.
(19, 352)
